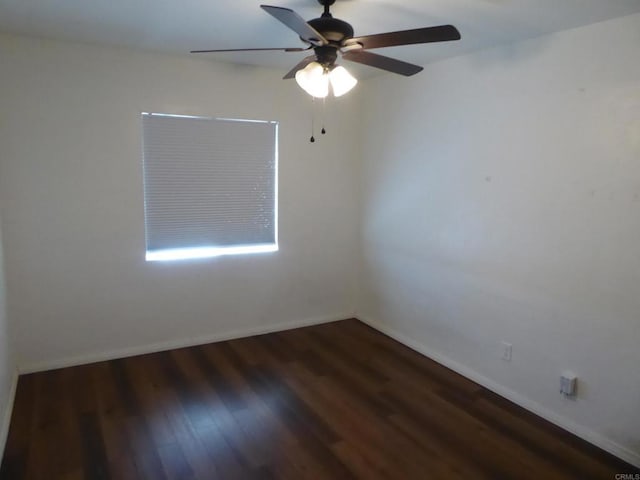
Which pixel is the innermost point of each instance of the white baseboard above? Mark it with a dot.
(587, 434)
(171, 344)
(6, 416)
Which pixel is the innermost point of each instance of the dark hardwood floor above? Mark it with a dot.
(335, 401)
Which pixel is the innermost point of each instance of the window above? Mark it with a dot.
(210, 186)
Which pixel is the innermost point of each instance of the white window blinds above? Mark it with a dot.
(210, 186)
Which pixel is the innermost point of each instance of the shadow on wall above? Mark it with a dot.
(510, 54)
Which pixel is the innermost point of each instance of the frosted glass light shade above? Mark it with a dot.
(341, 81)
(313, 80)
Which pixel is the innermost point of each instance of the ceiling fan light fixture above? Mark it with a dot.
(316, 78)
(313, 80)
(341, 81)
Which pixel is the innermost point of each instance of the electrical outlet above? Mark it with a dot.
(568, 382)
(506, 351)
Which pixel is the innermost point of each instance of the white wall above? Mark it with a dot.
(7, 367)
(8, 376)
(501, 200)
(72, 199)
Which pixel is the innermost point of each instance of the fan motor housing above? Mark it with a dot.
(333, 29)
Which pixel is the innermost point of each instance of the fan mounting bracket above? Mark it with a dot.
(326, 4)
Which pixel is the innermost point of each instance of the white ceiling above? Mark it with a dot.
(178, 26)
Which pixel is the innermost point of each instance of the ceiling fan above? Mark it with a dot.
(328, 36)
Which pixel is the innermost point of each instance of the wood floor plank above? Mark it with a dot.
(332, 401)
(311, 388)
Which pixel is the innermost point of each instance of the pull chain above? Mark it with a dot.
(313, 104)
(324, 110)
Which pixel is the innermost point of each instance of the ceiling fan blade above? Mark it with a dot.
(442, 33)
(306, 61)
(382, 62)
(253, 50)
(296, 23)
